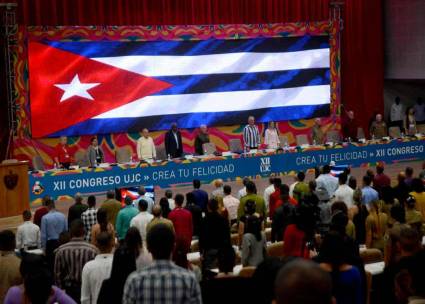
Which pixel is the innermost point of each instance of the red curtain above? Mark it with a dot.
(362, 43)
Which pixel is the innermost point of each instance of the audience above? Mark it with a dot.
(165, 206)
(75, 211)
(141, 220)
(376, 224)
(327, 181)
(182, 222)
(409, 176)
(169, 196)
(9, 263)
(28, 234)
(112, 207)
(251, 194)
(196, 212)
(392, 250)
(268, 191)
(143, 196)
(172, 284)
(134, 242)
(158, 219)
(413, 217)
(219, 191)
(381, 180)
(70, 259)
(89, 217)
(344, 193)
(283, 216)
(103, 225)
(200, 196)
(275, 197)
(226, 260)
(242, 191)
(124, 217)
(369, 194)
(97, 270)
(301, 189)
(419, 195)
(41, 211)
(401, 190)
(231, 203)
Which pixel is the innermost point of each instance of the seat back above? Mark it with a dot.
(123, 155)
(302, 139)
(209, 148)
(394, 132)
(275, 249)
(37, 163)
(247, 272)
(160, 152)
(371, 255)
(235, 145)
(421, 128)
(333, 136)
(284, 140)
(360, 133)
(9, 161)
(81, 158)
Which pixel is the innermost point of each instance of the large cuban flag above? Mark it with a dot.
(79, 88)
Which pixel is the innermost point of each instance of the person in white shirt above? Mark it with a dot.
(149, 200)
(292, 186)
(169, 196)
(271, 136)
(419, 111)
(327, 181)
(28, 234)
(231, 203)
(242, 192)
(145, 146)
(97, 270)
(218, 192)
(141, 220)
(344, 193)
(397, 113)
(268, 191)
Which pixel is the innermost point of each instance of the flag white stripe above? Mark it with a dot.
(222, 102)
(219, 63)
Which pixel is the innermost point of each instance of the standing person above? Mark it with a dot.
(165, 206)
(251, 135)
(95, 153)
(408, 172)
(419, 111)
(70, 259)
(52, 225)
(413, 217)
(410, 121)
(202, 138)
(112, 206)
(317, 134)
(28, 234)
(89, 217)
(218, 192)
(215, 235)
(124, 218)
(97, 270)
(142, 192)
(173, 142)
(360, 214)
(378, 128)
(242, 191)
(368, 193)
(271, 136)
(145, 146)
(158, 219)
(344, 193)
(201, 196)
(75, 211)
(376, 225)
(133, 241)
(282, 217)
(62, 156)
(397, 114)
(231, 203)
(196, 213)
(401, 190)
(182, 221)
(349, 125)
(103, 225)
(9, 263)
(381, 180)
(172, 284)
(301, 189)
(169, 196)
(419, 195)
(141, 220)
(270, 189)
(251, 195)
(41, 211)
(327, 181)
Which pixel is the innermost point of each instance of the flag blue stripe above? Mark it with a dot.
(193, 120)
(190, 84)
(94, 49)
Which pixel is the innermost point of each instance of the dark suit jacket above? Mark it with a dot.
(171, 145)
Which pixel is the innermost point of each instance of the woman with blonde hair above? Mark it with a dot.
(271, 136)
(376, 226)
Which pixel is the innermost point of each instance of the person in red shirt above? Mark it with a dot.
(41, 211)
(277, 200)
(349, 124)
(182, 221)
(275, 196)
(62, 154)
(381, 180)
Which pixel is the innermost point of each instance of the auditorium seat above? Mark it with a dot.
(333, 136)
(394, 132)
(160, 152)
(247, 272)
(302, 139)
(9, 161)
(360, 133)
(421, 128)
(371, 255)
(123, 155)
(81, 158)
(37, 163)
(235, 145)
(284, 141)
(275, 249)
(209, 148)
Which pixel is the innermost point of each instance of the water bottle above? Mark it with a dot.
(314, 142)
(169, 157)
(349, 139)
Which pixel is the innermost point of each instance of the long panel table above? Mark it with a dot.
(261, 164)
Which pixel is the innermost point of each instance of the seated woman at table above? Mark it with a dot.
(95, 153)
(271, 136)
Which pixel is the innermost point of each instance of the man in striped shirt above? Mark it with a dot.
(251, 135)
(70, 260)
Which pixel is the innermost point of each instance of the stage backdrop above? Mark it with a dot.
(224, 88)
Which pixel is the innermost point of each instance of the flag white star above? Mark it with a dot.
(76, 88)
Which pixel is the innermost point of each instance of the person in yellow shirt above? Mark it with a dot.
(419, 195)
(376, 226)
(145, 146)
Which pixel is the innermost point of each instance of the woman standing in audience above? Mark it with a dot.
(346, 278)
(376, 226)
(133, 241)
(350, 230)
(221, 209)
(413, 216)
(253, 242)
(250, 212)
(360, 214)
(410, 121)
(271, 136)
(165, 207)
(419, 195)
(102, 225)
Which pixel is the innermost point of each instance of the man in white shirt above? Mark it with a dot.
(344, 193)
(242, 192)
(145, 146)
(169, 196)
(28, 234)
(292, 186)
(97, 270)
(231, 203)
(419, 111)
(143, 196)
(397, 113)
(327, 181)
(141, 220)
(268, 191)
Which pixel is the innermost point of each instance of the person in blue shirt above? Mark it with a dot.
(368, 193)
(201, 197)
